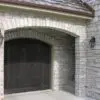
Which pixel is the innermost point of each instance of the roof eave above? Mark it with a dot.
(49, 9)
(90, 8)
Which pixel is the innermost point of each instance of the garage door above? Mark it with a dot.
(27, 65)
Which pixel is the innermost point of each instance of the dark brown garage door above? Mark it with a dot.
(27, 65)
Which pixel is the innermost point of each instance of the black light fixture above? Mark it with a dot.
(92, 42)
(1, 38)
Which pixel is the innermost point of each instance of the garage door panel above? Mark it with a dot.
(27, 65)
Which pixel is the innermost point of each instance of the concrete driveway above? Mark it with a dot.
(42, 95)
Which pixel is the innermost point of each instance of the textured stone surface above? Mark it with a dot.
(93, 55)
(76, 28)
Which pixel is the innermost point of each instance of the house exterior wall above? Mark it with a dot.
(72, 26)
(93, 55)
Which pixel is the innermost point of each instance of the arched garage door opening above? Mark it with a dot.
(59, 59)
(27, 65)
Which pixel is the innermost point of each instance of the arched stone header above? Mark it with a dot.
(17, 20)
(28, 33)
(45, 34)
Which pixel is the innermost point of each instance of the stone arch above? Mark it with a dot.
(63, 31)
(52, 39)
(34, 33)
(27, 33)
(41, 21)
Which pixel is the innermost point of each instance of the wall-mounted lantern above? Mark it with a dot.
(92, 42)
(1, 38)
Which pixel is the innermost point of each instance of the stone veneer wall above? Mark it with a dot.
(93, 55)
(73, 26)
